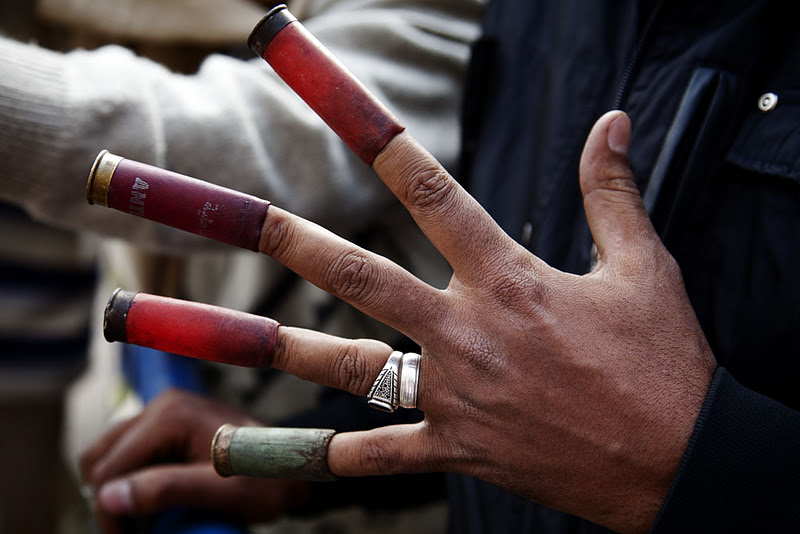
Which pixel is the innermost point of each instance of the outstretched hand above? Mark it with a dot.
(577, 392)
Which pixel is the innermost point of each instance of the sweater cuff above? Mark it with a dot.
(741, 469)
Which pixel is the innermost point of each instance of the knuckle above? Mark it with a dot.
(350, 370)
(172, 402)
(668, 270)
(471, 411)
(511, 290)
(516, 286)
(377, 457)
(481, 356)
(655, 261)
(621, 180)
(352, 276)
(275, 238)
(618, 191)
(430, 188)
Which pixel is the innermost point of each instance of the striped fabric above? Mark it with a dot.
(46, 286)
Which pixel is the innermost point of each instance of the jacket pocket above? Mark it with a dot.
(768, 142)
(692, 150)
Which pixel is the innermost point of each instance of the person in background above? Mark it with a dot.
(47, 282)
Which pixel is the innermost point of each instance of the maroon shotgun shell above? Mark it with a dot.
(177, 200)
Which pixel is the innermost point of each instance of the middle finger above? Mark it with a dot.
(368, 281)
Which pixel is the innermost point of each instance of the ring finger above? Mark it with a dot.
(351, 365)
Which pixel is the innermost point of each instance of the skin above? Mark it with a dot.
(161, 459)
(577, 392)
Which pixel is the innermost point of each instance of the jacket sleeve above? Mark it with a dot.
(741, 470)
(234, 122)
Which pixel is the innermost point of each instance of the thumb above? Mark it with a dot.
(614, 209)
(384, 451)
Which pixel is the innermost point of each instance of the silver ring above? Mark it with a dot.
(384, 394)
(409, 379)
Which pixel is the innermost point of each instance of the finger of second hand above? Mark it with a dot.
(90, 458)
(368, 281)
(148, 437)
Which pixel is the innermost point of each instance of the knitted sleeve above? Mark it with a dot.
(234, 122)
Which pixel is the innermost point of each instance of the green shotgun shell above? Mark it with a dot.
(271, 452)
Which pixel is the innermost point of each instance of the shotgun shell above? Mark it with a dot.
(190, 329)
(176, 200)
(100, 177)
(357, 116)
(296, 453)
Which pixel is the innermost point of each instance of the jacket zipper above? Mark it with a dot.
(622, 88)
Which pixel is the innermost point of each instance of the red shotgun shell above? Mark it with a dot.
(360, 119)
(190, 329)
(176, 200)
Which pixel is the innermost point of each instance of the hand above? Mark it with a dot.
(578, 392)
(161, 459)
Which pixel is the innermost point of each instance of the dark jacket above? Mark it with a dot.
(719, 177)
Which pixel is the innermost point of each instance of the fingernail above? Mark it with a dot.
(116, 497)
(619, 135)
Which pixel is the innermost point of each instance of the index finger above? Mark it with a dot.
(454, 221)
(451, 218)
